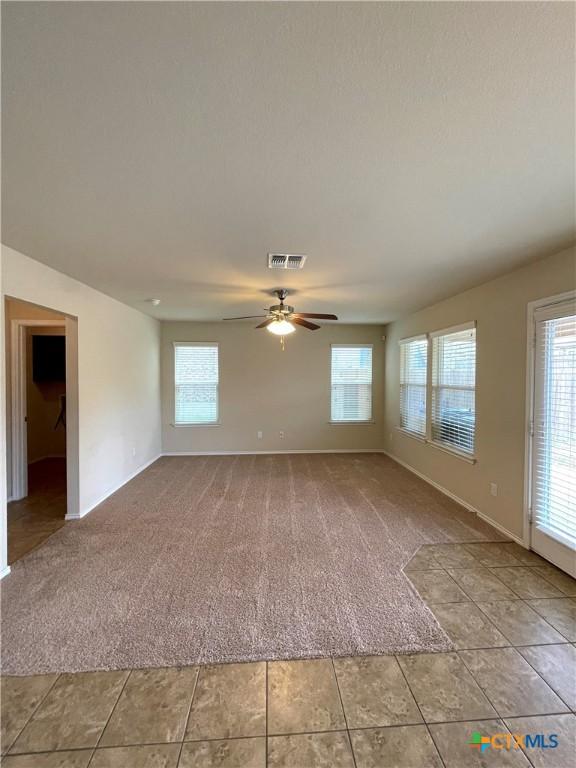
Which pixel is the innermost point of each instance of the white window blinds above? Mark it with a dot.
(196, 383)
(554, 441)
(351, 383)
(453, 413)
(413, 374)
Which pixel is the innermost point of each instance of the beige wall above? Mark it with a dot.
(118, 374)
(263, 388)
(500, 310)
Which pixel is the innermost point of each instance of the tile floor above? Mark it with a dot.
(512, 619)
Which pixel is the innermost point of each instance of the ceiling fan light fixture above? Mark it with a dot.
(281, 328)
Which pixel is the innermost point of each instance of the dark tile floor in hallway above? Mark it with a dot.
(511, 616)
(33, 519)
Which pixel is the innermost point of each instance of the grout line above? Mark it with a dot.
(266, 716)
(188, 716)
(343, 710)
(484, 691)
(540, 675)
(36, 708)
(128, 676)
(419, 709)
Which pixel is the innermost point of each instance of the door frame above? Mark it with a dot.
(18, 427)
(564, 556)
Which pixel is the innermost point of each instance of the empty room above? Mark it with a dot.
(288, 393)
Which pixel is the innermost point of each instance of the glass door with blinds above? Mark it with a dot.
(553, 433)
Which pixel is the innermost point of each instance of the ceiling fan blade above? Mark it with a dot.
(305, 323)
(266, 322)
(316, 315)
(246, 317)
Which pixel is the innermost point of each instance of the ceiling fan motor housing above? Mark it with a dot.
(284, 309)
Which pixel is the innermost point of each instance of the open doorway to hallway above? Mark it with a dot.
(36, 444)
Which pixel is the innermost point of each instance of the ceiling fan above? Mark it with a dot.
(281, 318)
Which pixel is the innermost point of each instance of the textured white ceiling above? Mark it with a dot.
(410, 149)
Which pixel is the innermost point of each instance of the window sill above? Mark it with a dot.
(440, 446)
(468, 458)
(413, 435)
(351, 423)
(196, 424)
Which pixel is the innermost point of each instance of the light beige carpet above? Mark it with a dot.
(210, 559)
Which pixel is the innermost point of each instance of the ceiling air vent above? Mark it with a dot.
(285, 261)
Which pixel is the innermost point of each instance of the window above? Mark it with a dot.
(351, 383)
(196, 383)
(413, 375)
(453, 413)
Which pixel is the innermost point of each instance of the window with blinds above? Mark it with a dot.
(453, 411)
(351, 383)
(196, 383)
(554, 438)
(413, 376)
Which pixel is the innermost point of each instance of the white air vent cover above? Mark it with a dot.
(285, 261)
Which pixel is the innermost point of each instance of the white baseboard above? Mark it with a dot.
(4, 572)
(457, 499)
(272, 453)
(502, 529)
(117, 487)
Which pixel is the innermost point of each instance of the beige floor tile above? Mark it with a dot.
(75, 759)
(374, 692)
(303, 696)
(437, 587)
(467, 626)
(151, 756)
(511, 684)
(453, 742)
(526, 556)
(557, 665)
(422, 561)
(566, 584)
(153, 707)
(444, 689)
(519, 623)
(226, 753)
(73, 714)
(526, 583)
(230, 701)
(406, 746)
(450, 555)
(20, 696)
(564, 726)
(560, 613)
(320, 750)
(491, 554)
(481, 584)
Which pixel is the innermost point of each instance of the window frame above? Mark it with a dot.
(436, 387)
(216, 422)
(404, 343)
(350, 422)
(469, 457)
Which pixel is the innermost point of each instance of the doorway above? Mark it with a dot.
(41, 449)
(552, 419)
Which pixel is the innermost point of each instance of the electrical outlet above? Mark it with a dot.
(259, 435)
(493, 489)
(281, 434)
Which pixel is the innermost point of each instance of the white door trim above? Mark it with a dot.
(530, 385)
(17, 426)
(18, 401)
